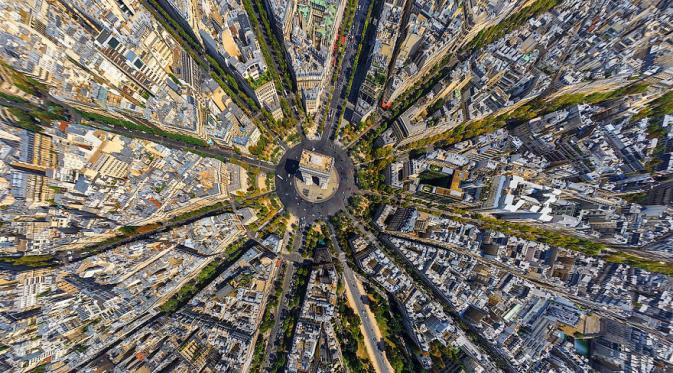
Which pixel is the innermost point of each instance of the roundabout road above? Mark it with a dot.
(306, 211)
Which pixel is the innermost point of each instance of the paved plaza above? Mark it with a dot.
(313, 192)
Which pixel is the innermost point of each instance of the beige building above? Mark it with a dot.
(107, 165)
(38, 191)
(268, 97)
(30, 284)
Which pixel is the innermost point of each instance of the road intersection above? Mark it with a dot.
(307, 211)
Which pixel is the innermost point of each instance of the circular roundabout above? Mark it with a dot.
(314, 180)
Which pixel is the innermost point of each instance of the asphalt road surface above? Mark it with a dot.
(340, 88)
(217, 151)
(273, 337)
(306, 211)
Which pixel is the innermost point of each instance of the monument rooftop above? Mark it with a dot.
(315, 161)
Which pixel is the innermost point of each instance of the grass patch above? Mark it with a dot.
(33, 261)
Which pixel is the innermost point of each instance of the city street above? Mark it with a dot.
(273, 336)
(341, 86)
(214, 151)
(369, 327)
(336, 186)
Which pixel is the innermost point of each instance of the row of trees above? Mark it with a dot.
(189, 43)
(25, 83)
(274, 55)
(509, 24)
(532, 233)
(640, 262)
(298, 292)
(130, 233)
(535, 108)
(655, 111)
(226, 80)
(574, 243)
(189, 140)
(266, 324)
(268, 58)
(395, 336)
(400, 349)
(483, 38)
(282, 78)
(193, 47)
(658, 107)
(204, 277)
(350, 338)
